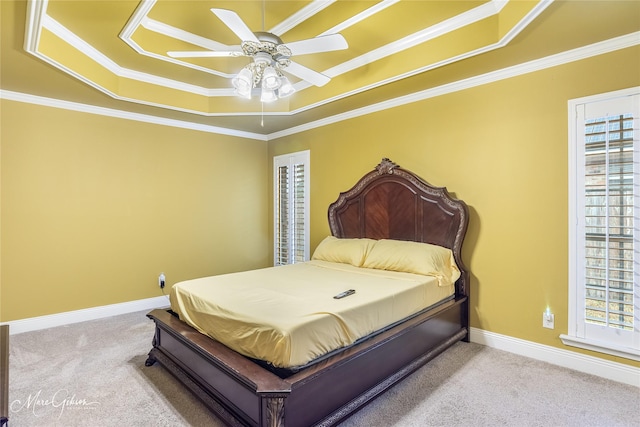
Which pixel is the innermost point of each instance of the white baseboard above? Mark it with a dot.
(569, 359)
(69, 317)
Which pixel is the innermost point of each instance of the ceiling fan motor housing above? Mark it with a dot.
(269, 44)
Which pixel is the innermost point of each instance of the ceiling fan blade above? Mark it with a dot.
(307, 74)
(204, 53)
(235, 24)
(326, 43)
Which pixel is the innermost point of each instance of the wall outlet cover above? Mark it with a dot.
(548, 320)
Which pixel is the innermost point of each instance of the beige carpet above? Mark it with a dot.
(93, 374)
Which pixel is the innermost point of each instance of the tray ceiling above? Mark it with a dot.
(113, 54)
(120, 47)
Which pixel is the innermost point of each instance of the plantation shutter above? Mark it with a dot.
(609, 232)
(282, 216)
(299, 213)
(291, 208)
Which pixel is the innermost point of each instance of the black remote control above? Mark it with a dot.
(345, 294)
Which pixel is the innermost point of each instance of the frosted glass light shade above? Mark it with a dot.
(286, 88)
(243, 83)
(268, 95)
(270, 79)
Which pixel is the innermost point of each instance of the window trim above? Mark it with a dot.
(572, 338)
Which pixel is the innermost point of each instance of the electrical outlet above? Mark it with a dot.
(548, 319)
(161, 280)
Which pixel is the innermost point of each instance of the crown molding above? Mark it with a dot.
(110, 112)
(600, 48)
(360, 17)
(82, 46)
(459, 21)
(299, 17)
(578, 54)
(38, 19)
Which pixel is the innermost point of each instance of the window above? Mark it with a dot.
(291, 208)
(604, 224)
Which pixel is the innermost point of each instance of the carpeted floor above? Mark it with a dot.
(93, 374)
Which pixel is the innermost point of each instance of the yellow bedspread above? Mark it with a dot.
(287, 315)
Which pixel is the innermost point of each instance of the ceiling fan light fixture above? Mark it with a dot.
(244, 93)
(268, 95)
(286, 88)
(270, 78)
(243, 82)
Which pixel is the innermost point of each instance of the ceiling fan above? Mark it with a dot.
(270, 58)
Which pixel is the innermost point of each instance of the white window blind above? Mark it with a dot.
(291, 191)
(605, 225)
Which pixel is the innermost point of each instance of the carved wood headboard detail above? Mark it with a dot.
(393, 203)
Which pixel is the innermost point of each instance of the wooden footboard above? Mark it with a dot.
(241, 392)
(235, 388)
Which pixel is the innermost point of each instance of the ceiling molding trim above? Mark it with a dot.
(585, 52)
(76, 42)
(135, 46)
(178, 34)
(562, 58)
(459, 21)
(140, 18)
(300, 16)
(141, 12)
(501, 43)
(113, 95)
(452, 24)
(360, 17)
(526, 20)
(120, 114)
(33, 29)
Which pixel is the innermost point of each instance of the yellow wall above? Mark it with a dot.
(95, 208)
(503, 149)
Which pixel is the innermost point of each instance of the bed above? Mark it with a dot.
(388, 203)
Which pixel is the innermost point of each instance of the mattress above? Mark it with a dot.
(288, 316)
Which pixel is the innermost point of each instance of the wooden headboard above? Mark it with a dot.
(393, 203)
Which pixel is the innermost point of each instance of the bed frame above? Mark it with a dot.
(388, 202)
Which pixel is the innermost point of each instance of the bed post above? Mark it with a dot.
(273, 409)
(466, 307)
